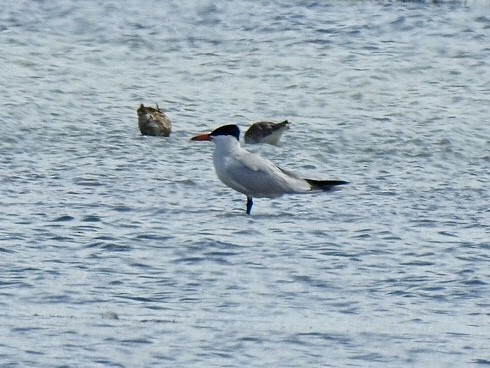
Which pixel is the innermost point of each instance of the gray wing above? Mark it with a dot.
(255, 176)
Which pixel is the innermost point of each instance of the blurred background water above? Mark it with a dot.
(119, 250)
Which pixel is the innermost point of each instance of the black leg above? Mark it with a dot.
(250, 203)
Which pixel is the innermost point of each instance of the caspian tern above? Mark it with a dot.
(153, 121)
(253, 175)
(265, 132)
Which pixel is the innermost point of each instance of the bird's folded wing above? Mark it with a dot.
(261, 178)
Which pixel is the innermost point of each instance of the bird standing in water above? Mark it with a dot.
(253, 175)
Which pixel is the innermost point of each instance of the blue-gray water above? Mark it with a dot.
(118, 250)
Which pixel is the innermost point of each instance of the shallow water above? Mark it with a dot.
(123, 250)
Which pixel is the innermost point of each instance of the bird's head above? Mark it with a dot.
(230, 130)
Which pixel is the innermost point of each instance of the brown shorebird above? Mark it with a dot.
(266, 132)
(153, 121)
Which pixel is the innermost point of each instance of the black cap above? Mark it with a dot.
(231, 129)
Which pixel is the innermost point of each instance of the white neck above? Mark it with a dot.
(225, 144)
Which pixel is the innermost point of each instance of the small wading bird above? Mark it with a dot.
(153, 121)
(253, 175)
(265, 132)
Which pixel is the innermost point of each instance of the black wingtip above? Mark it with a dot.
(325, 185)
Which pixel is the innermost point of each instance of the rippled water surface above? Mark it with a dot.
(119, 250)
